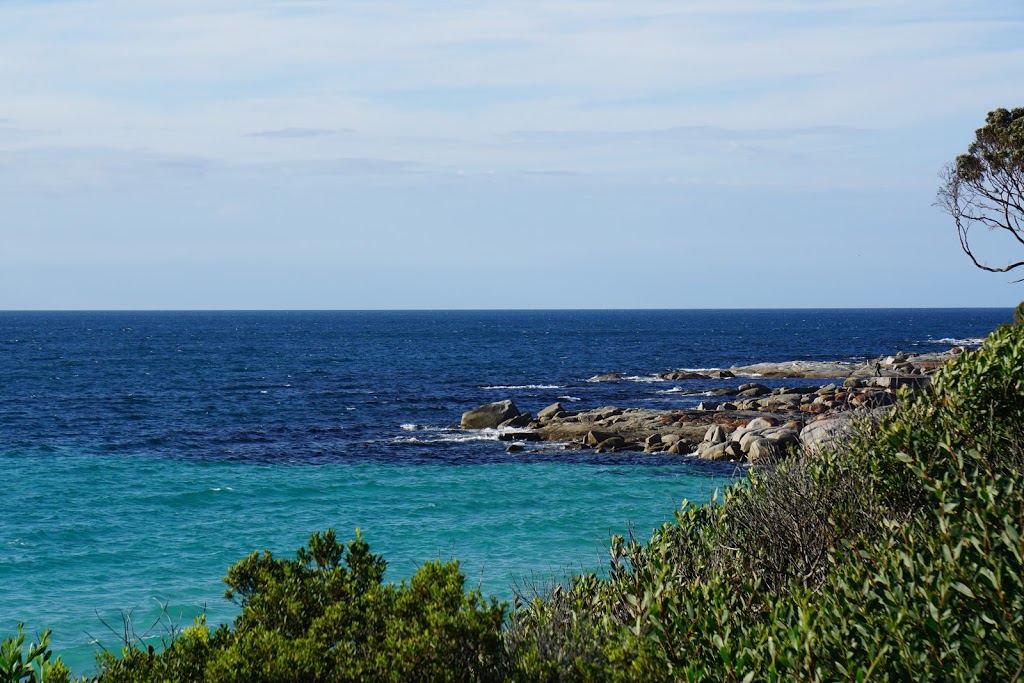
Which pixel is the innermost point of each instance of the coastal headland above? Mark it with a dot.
(743, 421)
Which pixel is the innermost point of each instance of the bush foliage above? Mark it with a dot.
(327, 615)
(896, 557)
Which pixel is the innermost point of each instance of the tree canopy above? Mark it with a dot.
(985, 186)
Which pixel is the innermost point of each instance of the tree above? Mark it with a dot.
(985, 187)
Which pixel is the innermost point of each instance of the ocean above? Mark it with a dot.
(145, 452)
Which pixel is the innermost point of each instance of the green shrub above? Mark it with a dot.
(898, 557)
(31, 664)
(328, 616)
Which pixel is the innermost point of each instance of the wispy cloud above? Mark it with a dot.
(518, 85)
(681, 135)
(298, 133)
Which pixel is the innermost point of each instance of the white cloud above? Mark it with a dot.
(449, 83)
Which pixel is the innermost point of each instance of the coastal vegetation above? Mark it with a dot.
(893, 555)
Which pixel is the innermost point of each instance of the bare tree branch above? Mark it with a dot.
(985, 187)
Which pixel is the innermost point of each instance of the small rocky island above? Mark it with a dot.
(747, 422)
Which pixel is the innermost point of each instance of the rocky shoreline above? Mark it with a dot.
(746, 423)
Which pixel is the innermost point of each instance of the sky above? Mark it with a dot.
(304, 154)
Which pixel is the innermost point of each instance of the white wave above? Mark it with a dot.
(453, 438)
(524, 386)
(645, 379)
(409, 427)
(673, 390)
(953, 341)
(432, 435)
(570, 399)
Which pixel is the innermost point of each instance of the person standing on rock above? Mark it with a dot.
(878, 369)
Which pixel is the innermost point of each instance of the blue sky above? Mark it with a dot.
(558, 154)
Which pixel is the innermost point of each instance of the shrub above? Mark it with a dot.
(327, 615)
(896, 558)
(31, 664)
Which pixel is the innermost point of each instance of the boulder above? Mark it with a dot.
(611, 444)
(822, 434)
(716, 434)
(550, 412)
(721, 374)
(760, 423)
(670, 439)
(608, 377)
(514, 448)
(712, 451)
(679, 448)
(682, 375)
(785, 438)
(764, 451)
(517, 421)
(489, 416)
(708, 405)
(595, 439)
(519, 436)
(748, 438)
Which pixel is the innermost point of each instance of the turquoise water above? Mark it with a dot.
(144, 453)
(95, 534)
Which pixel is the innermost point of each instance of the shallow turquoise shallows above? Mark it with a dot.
(97, 534)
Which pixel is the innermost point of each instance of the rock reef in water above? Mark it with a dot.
(756, 425)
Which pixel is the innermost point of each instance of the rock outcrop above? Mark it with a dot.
(490, 415)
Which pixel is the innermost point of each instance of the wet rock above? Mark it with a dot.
(519, 436)
(682, 375)
(514, 448)
(607, 377)
(489, 416)
(612, 444)
(595, 438)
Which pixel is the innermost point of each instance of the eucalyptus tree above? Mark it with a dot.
(985, 188)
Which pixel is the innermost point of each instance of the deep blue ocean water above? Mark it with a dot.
(143, 453)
